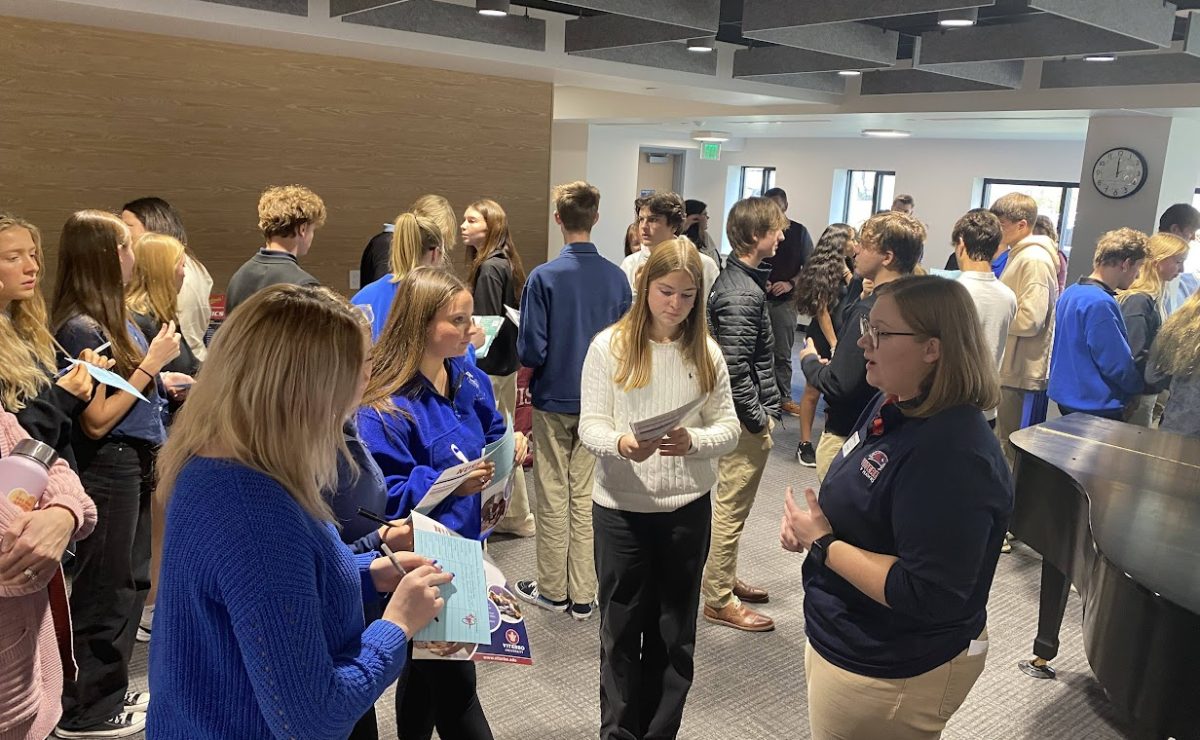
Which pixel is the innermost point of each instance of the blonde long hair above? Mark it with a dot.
(26, 345)
(1176, 350)
(438, 210)
(281, 379)
(943, 309)
(412, 238)
(1161, 247)
(152, 289)
(631, 333)
(397, 356)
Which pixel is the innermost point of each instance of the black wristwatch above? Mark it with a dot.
(820, 548)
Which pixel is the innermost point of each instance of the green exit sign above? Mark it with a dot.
(710, 150)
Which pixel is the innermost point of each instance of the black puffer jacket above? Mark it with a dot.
(738, 319)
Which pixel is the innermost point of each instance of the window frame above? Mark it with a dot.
(876, 188)
(1062, 201)
(768, 178)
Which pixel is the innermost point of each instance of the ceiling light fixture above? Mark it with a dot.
(849, 73)
(886, 133)
(710, 136)
(491, 7)
(958, 18)
(1100, 58)
(701, 45)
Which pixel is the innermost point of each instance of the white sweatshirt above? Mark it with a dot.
(659, 484)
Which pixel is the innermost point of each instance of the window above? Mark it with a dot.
(1057, 200)
(867, 192)
(757, 180)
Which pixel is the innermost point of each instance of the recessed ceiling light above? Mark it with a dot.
(1100, 58)
(701, 45)
(710, 136)
(958, 18)
(849, 73)
(491, 7)
(886, 133)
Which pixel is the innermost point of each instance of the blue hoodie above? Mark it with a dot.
(412, 448)
(1091, 365)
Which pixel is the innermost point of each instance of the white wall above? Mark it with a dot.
(940, 174)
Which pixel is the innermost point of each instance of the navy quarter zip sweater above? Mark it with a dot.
(566, 302)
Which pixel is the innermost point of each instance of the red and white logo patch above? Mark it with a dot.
(873, 464)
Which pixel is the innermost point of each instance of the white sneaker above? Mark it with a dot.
(144, 626)
(137, 701)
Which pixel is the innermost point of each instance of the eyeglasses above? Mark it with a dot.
(874, 334)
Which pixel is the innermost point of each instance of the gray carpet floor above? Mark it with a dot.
(752, 685)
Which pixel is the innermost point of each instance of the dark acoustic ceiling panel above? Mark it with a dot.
(898, 46)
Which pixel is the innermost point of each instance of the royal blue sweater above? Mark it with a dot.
(934, 492)
(258, 625)
(566, 302)
(1091, 365)
(415, 444)
(379, 295)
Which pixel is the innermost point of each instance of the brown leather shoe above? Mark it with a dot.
(750, 594)
(739, 617)
(791, 407)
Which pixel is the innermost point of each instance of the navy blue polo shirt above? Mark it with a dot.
(934, 492)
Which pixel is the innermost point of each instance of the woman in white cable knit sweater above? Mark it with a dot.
(650, 503)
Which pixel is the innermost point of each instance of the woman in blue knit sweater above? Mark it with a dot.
(425, 410)
(258, 627)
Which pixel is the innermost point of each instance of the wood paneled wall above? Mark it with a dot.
(93, 118)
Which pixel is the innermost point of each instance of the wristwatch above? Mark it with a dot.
(820, 548)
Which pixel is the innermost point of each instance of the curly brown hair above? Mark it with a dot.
(821, 279)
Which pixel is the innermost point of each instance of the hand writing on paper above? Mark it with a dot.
(521, 443)
(177, 384)
(399, 536)
(385, 576)
(477, 480)
(676, 443)
(628, 447)
(801, 528)
(417, 600)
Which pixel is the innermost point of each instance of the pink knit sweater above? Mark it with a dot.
(31, 681)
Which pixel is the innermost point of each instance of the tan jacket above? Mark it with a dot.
(1031, 274)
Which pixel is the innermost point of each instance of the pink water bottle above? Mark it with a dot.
(25, 473)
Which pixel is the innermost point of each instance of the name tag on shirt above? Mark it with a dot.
(850, 445)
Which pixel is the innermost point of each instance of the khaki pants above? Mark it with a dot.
(504, 387)
(827, 448)
(562, 471)
(846, 706)
(739, 473)
(1008, 419)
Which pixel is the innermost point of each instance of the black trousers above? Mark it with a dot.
(649, 568)
(441, 694)
(111, 577)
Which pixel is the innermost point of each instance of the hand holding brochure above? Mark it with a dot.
(111, 379)
(496, 497)
(465, 616)
(506, 640)
(657, 426)
(491, 327)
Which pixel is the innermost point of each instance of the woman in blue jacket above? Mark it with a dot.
(427, 409)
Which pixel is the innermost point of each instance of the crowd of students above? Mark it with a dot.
(275, 609)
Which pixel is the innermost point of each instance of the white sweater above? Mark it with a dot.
(659, 484)
(633, 264)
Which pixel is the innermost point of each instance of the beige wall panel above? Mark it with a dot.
(94, 118)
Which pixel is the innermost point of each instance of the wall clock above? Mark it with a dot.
(1119, 173)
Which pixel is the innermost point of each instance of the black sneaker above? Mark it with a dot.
(122, 725)
(807, 455)
(583, 612)
(528, 591)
